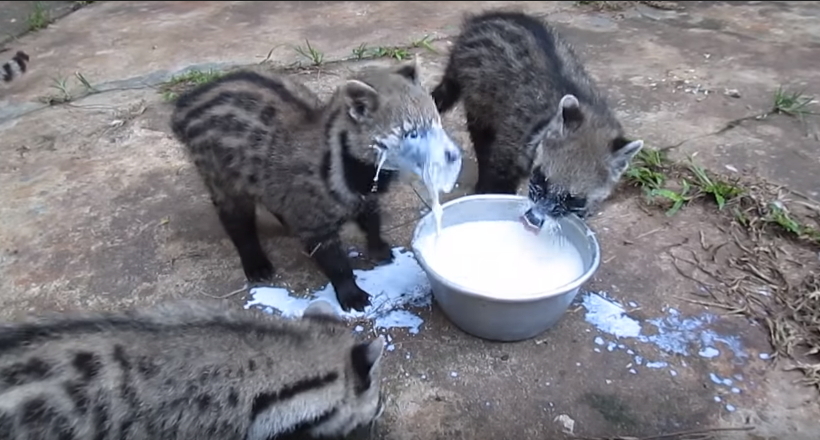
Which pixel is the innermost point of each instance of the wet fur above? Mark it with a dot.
(185, 370)
(513, 73)
(269, 140)
(14, 67)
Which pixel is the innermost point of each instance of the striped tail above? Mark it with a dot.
(16, 67)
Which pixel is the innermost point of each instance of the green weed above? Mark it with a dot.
(82, 79)
(195, 77)
(645, 177)
(169, 96)
(719, 190)
(678, 199)
(425, 42)
(170, 90)
(791, 103)
(314, 56)
(361, 52)
(391, 52)
(39, 18)
(647, 170)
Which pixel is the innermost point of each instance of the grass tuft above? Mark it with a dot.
(791, 103)
(312, 54)
(39, 18)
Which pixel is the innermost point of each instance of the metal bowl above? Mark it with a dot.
(504, 319)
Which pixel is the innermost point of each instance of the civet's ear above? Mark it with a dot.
(410, 70)
(566, 119)
(623, 151)
(361, 99)
(365, 357)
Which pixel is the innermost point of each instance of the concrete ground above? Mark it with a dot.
(101, 210)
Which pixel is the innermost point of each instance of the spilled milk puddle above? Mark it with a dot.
(396, 288)
(674, 336)
(400, 288)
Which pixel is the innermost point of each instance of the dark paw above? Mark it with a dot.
(380, 253)
(350, 296)
(259, 271)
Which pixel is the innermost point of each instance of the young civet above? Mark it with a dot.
(186, 370)
(15, 67)
(533, 111)
(269, 140)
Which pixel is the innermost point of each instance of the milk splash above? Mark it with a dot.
(381, 158)
(428, 153)
(438, 176)
(672, 334)
(396, 288)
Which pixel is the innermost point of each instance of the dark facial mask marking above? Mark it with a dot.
(549, 203)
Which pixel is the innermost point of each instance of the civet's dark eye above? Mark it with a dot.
(412, 134)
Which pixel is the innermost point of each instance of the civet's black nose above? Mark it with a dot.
(451, 156)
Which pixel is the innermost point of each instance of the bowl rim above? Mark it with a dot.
(558, 291)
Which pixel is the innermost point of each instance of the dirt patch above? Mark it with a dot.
(764, 263)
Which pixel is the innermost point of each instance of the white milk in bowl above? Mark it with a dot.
(501, 259)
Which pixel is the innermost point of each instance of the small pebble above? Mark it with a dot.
(391, 347)
(358, 328)
(736, 390)
(734, 93)
(730, 408)
(632, 370)
(673, 373)
(718, 399)
(764, 356)
(599, 340)
(453, 374)
(596, 350)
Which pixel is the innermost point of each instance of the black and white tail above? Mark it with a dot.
(15, 67)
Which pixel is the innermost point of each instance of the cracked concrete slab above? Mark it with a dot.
(102, 210)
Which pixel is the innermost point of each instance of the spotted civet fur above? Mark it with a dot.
(528, 100)
(15, 67)
(183, 371)
(269, 140)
